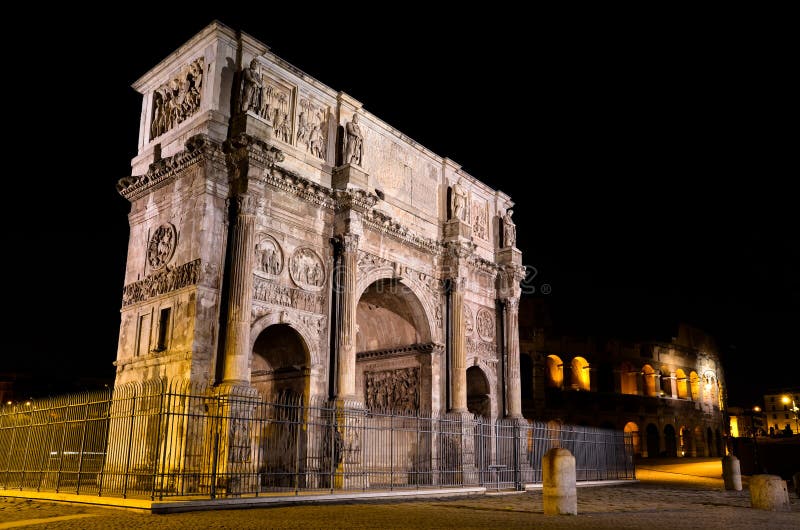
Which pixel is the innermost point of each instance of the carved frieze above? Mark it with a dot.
(162, 282)
(469, 320)
(392, 389)
(484, 324)
(480, 220)
(481, 349)
(307, 270)
(312, 128)
(269, 257)
(161, 247)
(270, 292)
(177, 99)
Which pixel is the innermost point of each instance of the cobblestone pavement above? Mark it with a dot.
(671, 495)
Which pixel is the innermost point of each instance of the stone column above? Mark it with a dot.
(511, 333)
(240, 297)
(458, 349)
(346, 362)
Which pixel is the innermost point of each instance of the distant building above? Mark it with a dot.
(670, 394)
(780, 410)
(744, 422)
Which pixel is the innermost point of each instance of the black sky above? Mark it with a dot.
(653, 168)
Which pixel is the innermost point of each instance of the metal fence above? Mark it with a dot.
(161, 439)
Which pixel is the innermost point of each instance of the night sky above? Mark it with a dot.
(651, 169)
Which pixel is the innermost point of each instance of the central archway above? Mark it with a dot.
(393, 344)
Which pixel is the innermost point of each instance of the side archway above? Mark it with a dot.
(280, 364)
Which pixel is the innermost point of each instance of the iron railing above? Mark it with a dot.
(160, 439)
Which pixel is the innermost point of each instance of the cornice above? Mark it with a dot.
(199, 148)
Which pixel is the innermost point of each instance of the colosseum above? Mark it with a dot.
(669, 394)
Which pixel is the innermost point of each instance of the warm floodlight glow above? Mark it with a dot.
(757, 408)
(785, 400)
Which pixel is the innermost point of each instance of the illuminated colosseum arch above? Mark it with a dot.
(666, 382)
(580, 374)
(633, 429)
(694, 385)
(555, 371)
(629, 377)
(649, 381)
(682, 384)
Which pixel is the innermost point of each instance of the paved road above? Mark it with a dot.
(673, 494)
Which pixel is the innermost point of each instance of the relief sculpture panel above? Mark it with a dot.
(480, 220)
(392, 389)
(177, 100)
(307, 269)
(485, 324)
(312, 128)
(269, 257)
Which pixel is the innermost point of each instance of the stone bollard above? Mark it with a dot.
(558, 485)
(796, 480)
(768, 492)
(731, 473)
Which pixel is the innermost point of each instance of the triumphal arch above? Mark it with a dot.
(284, 238)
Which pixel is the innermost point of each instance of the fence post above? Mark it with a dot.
(517, 468)
(391, 452)
(11, 447)
(27, 446)
(45, 453)
(61, 450)
(214, 460)
(163, 412)
(83, 444)
(107, 423)
(130, 447)
(299, 413)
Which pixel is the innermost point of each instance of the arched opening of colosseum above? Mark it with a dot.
(393, 344)
(580, 374)
(479, 400)
(633, 429)
(280, 365)
(681, 383)
(694, 385)
(711, 390)
(666, 382)
(699, 442)
(687, 447)
(555, 371)
(649, 381)
(670, 443)
(652, 441)
(629, 376)
(710, 442)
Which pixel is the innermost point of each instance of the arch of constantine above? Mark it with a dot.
(284, 238)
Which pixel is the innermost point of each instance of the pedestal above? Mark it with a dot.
(348, 177)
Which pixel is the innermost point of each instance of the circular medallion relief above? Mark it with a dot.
(161, 246)
(468, 320)
(269, 257)
(485, 324)
(307, 270)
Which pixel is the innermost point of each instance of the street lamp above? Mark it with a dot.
(786, 400)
